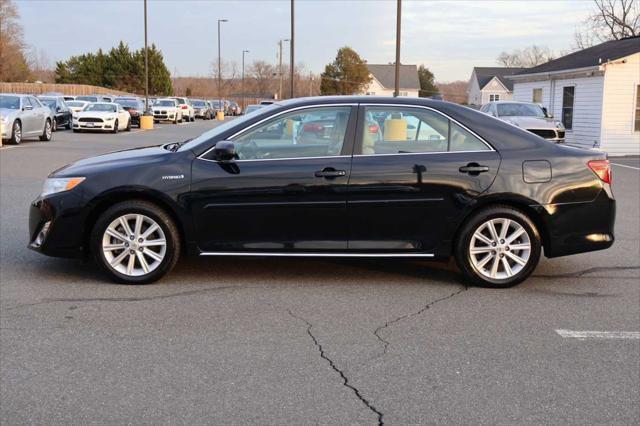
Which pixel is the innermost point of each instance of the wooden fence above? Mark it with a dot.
(67, 89)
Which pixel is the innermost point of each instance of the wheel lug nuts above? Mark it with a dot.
(131, 237)
(141, 249)
(493, 244)
(140, 240)
(501, 241)
(131, 252)
(126, 244)
(501, 256)
(493, 252)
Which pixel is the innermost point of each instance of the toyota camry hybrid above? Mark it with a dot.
(334, 177)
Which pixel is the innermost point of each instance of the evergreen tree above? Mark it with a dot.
(346, 75)
(427, 82)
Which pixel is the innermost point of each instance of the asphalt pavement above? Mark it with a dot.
(293, 341)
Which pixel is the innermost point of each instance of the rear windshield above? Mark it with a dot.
(48, 102)
(87, 98)
(132, 103)
(76, 103)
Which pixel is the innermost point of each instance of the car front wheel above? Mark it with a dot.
(135, 242)
(498, 247)
(47, 131)
(16, 135)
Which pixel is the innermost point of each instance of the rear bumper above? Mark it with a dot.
(579, 227)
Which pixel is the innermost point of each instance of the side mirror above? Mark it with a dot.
(224, 151)
(27, 108)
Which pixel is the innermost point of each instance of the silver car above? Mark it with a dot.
(529, 116)
(23, 116)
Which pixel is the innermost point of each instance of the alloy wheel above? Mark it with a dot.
(500, 248)
(17, 133)
(134, 245)
(48, 130)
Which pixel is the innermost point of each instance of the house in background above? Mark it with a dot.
(383, 81)
(595, 92)
(488, 84)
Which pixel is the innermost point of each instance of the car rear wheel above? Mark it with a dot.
(47, 131)
(54, 126)
(16, 135)
(135, 242)
(115, 127)
(128, 128)
(69, 123)
(498, 247)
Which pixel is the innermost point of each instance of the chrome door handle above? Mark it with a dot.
(473, 169)
(329, 173)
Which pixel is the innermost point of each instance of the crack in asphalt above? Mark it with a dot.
(332, 364)
(595, 269)
(124, 299)
(385, 343)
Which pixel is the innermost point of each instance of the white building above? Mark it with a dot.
(488, 84)
(383, 80)
(595, 92)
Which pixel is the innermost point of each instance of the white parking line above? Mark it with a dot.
(583, 335)
(624, 165)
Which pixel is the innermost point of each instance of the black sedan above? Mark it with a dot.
(134, 106)
(62, 115)
(384, 178)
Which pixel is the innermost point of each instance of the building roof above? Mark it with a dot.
(386, 75)
(593, 56)
(486, 74)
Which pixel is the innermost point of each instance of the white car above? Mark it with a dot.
(167, 110)
(103, 116)
(187, 108)
(528, 116)
(77, 106)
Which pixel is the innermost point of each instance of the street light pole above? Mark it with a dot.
(291, 45)
(243, 96)
(396, 92)
(219, 67)
(280, 67)
(146, 63)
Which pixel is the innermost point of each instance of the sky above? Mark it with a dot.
(449, 37)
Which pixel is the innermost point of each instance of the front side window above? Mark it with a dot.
(313, 132)
(398, 130)
(637, 125)
(536, 96)
(568, 96)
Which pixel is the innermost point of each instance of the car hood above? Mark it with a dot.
(96, 114)
(532, 122)
(110, 162)
(164, 108)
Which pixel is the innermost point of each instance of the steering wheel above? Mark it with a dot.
(249, 151)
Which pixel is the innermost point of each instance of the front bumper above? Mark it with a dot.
(79, 125)
(62, 214)
(6, 130)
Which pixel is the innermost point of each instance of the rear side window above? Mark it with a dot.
(402, 130)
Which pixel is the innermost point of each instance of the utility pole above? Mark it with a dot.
(243, 96)
(310, 83)
(146, 63)
(280, 73)
(220, 67)
(396, 92)
(291, 45)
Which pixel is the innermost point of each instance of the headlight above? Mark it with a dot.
(110, 118)
(55, 185)
(559, 125)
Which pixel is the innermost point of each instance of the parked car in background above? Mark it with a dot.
(220, 105)
(528, 116)
(492, 196)
(77, 106)
(234, 108)
(69, 98)
(187, 109)
(23, 116)
(102, 116)
(62, 115)
(93, 98)
(134, 106)
(167, 110)
(267, 102)
(252, 108)
(202, 109)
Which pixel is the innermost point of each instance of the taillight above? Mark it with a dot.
(184, 107)
(602, 169)
(311, 127)
(374, 128)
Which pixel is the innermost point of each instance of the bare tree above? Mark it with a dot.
(262, 73)
(13, 61)
(610, 20)
(525, 58)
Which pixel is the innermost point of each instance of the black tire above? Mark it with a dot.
(69, 123)
(16, 133)
(54, 125)
(115, 127)
(47, 132)
(128, 128)
(154, 212)
(175, 120)
(462, 247)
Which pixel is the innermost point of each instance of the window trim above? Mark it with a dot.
(636, 111)
(494, 97)
(357, 149)
(533, 100)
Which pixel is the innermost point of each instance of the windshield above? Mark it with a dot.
(127, 103)
(87, 98)
(520, 110)
(51, 103)
(74, 104)
(199, 103)
(164, 103)
(101, 108)
(211, 134)
(180, 101)
(10, 102)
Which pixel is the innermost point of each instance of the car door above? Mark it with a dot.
(123, 117)
(279, 195)
(414, 171)
(41, 113)
(29, 117)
